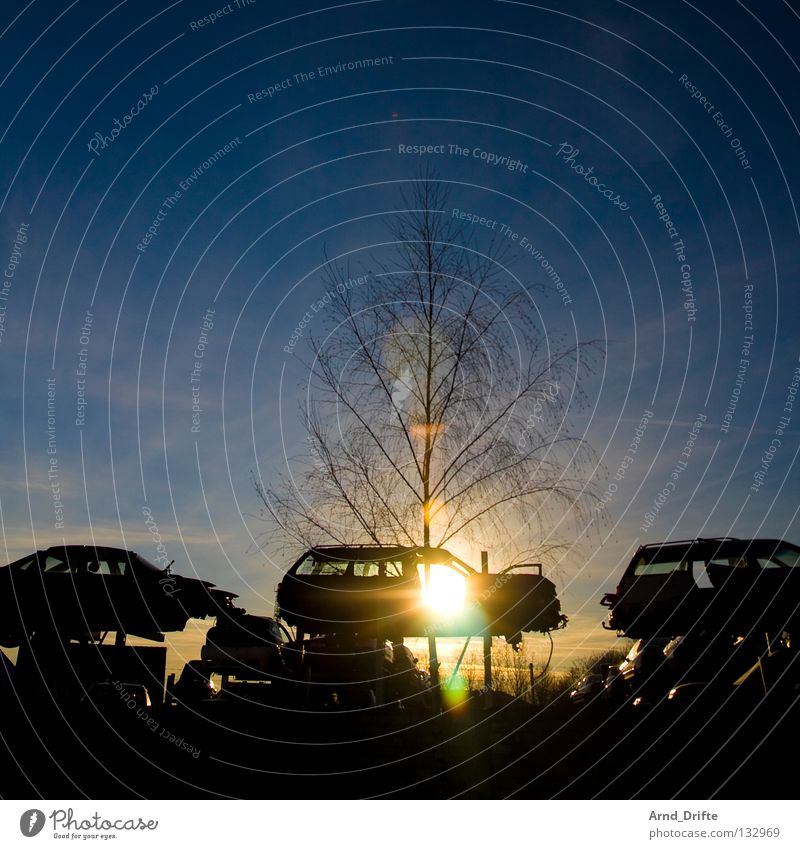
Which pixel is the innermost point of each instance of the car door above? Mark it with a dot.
(67, 603)
(321, 593)
(325, 594)
(775, 566)
(658, 594)
(116, 599)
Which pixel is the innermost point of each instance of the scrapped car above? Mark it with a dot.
(243, 645)
(408, 684)
(397, 591)
(643, 673)
(724, 585)
(614, 687)
(708, 656)
(74, 590)
(587, 688)
(109, 696)
(194, 685)
(347, 671)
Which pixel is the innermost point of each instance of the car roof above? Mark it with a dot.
(372, 551)
(358, 552)
(84, 552)
(710, 541)
(82, 549)
(732, 544)
(101, 552)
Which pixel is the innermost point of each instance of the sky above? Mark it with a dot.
(173, 176)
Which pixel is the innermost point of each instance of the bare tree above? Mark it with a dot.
(436, 406)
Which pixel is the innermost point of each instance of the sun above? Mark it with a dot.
(445, 590)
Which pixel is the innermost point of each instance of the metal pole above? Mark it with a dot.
(380, 670)
(533, 682)
(452, 678)
(487, 639)
(432, 654)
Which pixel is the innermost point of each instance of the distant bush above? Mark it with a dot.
(511, 672)
(597, 662)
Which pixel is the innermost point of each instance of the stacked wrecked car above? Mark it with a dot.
(713, 620)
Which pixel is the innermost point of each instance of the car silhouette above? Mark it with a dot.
(643, 673)
(75, 590)
(723, 585)
(397, 591)
(117, 696)
(587, 688)
(244, 645)
(194, 685)
(347, 671)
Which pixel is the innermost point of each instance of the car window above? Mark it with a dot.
(26, 565)
(311, 566)
(730, 562)
(373, 568)
(56, 564)
(107, 567)
(306, 567)
(660, 567)
(782, 558)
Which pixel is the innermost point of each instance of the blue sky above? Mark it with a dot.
(693, 105)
